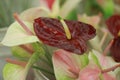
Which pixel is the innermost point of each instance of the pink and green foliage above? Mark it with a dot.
(81, 67)
(61, 64)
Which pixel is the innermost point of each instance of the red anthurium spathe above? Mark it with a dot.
(115, 49)
(51, 32)
(113, 24)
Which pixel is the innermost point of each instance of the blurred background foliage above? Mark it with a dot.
(90, 7)
(8, 7)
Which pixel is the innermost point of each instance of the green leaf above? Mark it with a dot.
(14, 72)
(16, 35)
(20, 53)
(108, 8)
(68, 6)
(92, 7)
(72, 15)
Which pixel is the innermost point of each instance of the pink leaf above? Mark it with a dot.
(65, 60)
(91, 72)
(108, 77)
(105, 61)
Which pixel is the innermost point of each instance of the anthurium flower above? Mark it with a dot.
(113, 24)
(27, 19)
(70, 66)
(115, 49)
(50, 31)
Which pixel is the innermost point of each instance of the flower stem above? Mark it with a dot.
(108, 47)
(103, 39)
(16, 16)
(20, 63)
(110, 69)
(27, 48)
